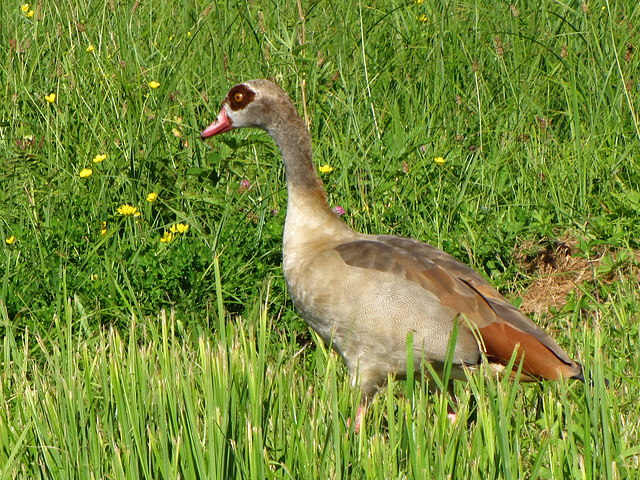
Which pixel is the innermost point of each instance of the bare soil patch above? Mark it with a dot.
(556, 269)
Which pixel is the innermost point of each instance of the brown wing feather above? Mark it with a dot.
(503, 328)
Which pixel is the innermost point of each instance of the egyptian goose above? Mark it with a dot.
(364, 294)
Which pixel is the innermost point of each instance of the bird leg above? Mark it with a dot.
(359, 418)
(360, 414)
(451, 413)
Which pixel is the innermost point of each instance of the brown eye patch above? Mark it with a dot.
(240, 96)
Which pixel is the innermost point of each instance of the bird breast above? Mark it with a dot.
(367, 315)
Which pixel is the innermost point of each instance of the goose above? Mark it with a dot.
(365, 295)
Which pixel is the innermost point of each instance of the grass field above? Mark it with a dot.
(145, 326)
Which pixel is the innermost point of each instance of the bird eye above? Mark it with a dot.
(238, 97)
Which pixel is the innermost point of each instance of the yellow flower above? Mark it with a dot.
(99, 158)
(85, 172)
(26, 9)
(326, 169)
(90, 48)
(129, 211)
(103, 228)
(50, 98)
(167, 237)
(152, 197)
(154, 84)
(439, 160)
(189, 33)
(179, 228)
(423, 18)
(10, 240)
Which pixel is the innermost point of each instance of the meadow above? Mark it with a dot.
(145, 327)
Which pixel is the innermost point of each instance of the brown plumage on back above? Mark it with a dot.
(364, 294)
(501, 326)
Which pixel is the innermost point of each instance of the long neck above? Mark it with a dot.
(308, 215)
(292, 138)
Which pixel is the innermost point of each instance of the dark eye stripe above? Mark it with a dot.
(240, 96)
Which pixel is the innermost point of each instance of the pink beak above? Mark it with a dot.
(220, 125)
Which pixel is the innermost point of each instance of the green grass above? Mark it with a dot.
(126, 357)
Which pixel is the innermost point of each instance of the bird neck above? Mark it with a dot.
(308, 214)
(292, 138)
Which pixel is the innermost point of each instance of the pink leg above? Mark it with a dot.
(451, 413)
(453, 416)
(362, 411)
